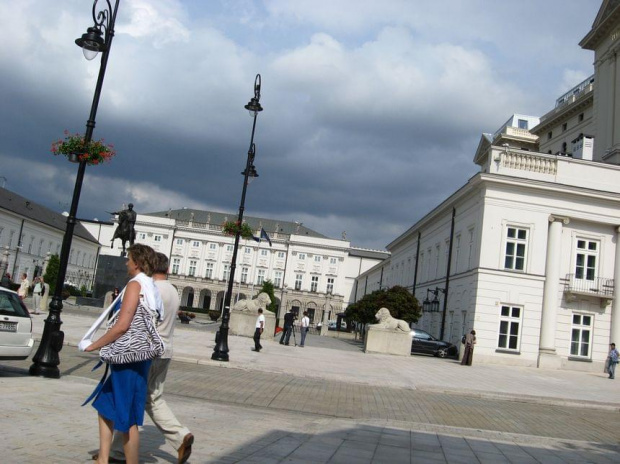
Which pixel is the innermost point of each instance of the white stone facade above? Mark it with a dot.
(310, 272)
(533, 238)
(30, 233)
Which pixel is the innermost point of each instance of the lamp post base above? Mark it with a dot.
(46, 361)
(220, 351)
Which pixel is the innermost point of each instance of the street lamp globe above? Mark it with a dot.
(91, 43)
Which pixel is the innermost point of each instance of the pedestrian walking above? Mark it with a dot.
(24, 287)
(289, 318)
(612, 360)
(37, 292)
(260, 325)
(121, 398)
(304, 327)
(470, 341)
(158, 410)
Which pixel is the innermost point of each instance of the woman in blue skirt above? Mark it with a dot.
(120, 402)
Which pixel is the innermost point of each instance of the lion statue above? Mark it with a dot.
(261, 301)
(386, 321)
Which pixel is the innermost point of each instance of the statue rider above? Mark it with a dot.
(125, 229)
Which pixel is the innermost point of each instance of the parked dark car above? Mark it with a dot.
(425, 343)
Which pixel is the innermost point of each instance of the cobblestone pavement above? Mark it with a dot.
(42, 421)
(242, 414)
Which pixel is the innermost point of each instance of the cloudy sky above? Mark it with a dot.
(372, 109)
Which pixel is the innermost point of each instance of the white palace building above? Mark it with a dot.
(527, 253)
(310, 271)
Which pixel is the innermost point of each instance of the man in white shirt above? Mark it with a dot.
(304, 328)
(37, 291)
(22, 291)
(260, 325)
(179, 436)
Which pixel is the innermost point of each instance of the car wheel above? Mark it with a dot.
(442, 353)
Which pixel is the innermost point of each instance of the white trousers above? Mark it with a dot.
(157, 409)
(36, 302)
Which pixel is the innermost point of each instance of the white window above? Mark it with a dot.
(281, 254)
(264, 253)
(585, 262)
(176, 262)
(298, 281)
(30, 245)
(509, 328)
(40, 245)
(302, 256)
(277, 279)
(196, 244)
(179, 241)
(261, 277)
(330, 285)
(192, 267)
(317, 259)
(333, 260)
(314, 283)
(209, 271)
(157, 238)
(244, 275)
(580, 340)
(516, 242)
(212, 246)
(226, 273)
(229, 248)
(457, 253)
(248, 250)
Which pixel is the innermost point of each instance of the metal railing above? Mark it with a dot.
(599, 286)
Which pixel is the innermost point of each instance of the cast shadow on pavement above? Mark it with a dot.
(374, 444)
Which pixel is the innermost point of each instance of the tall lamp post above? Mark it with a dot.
(220, 351)
(46, 360)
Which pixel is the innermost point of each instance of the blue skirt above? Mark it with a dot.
(123, 395)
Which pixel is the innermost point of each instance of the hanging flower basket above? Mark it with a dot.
(230, 228)
(73, 147)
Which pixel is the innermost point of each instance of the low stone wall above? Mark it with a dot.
(244, 323)
(387, 342)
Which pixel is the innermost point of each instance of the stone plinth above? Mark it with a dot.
(244, 323)
(388, 341)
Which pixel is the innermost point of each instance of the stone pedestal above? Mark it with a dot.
(388, 342)
(244, 323)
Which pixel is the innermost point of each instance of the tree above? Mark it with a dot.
(401, 303)
(51, 273)
(268, 288)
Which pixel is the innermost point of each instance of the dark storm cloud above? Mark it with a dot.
(370, 120)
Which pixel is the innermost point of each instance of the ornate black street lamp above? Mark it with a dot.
(97, 39)
(432, 306)
(220, 351)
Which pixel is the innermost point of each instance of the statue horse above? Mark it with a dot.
(125, 230)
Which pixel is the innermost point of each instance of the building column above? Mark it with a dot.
(615, 305)
(546, 355)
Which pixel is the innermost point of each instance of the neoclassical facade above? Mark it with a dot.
(30, 233)
(526, 253)
(311, 272)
